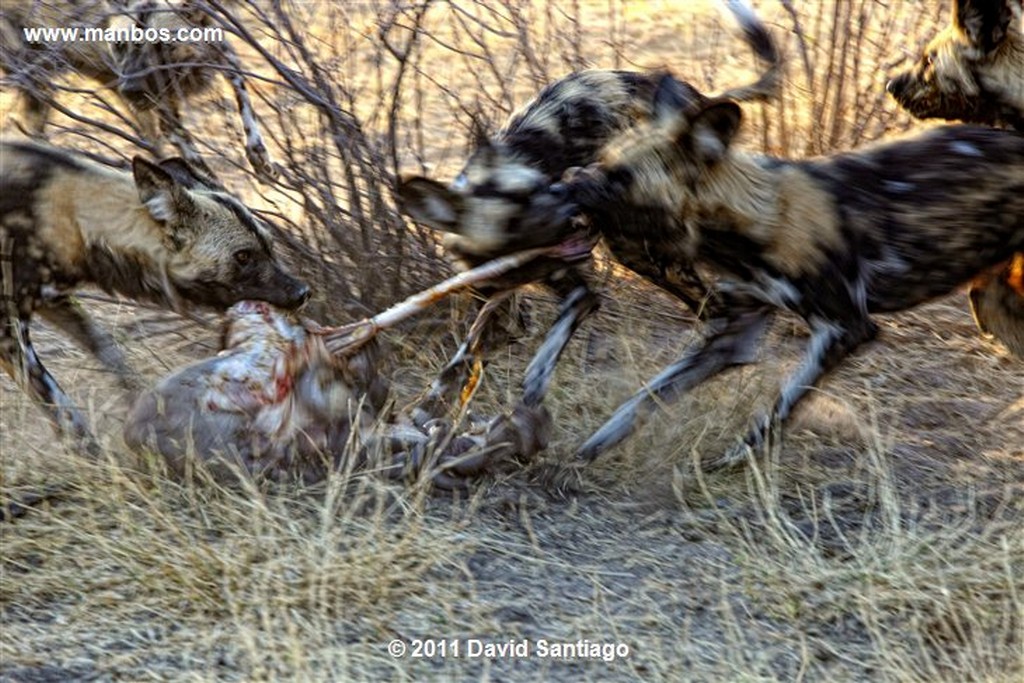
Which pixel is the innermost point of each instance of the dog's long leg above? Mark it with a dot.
(730, 342)
(686, 284)
(830, 343)
(255, 147)
(172, 129)
(68, 315)
(36, 112)
(20, 361)
(30, 72)
(579, 303)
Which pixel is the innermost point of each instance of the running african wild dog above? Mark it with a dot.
(833, 239)
(974, 71)
(497, 204)
(161, 233)
(154, 78)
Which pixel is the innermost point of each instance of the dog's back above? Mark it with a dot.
(38, 185)
(927, 210)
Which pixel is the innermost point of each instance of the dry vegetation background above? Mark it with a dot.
(882, 541)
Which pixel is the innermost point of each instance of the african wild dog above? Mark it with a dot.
(974, 71)
(832, 239)
(162, 234)
(154, 78)
(497, 204)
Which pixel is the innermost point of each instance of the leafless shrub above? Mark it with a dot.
(840, 53)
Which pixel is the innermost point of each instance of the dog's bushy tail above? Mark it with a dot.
(756, 34)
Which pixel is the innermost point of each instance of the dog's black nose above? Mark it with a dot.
(895, 85)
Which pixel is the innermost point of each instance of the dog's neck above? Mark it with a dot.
(743, 187)
(124, 249)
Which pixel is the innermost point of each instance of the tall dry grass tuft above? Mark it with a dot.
(135, 567)
(924, 592)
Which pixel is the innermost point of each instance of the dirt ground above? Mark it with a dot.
(882, 539)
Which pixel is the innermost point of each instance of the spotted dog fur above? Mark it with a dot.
(498, 204)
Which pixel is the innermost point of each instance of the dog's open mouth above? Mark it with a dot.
(577, 247)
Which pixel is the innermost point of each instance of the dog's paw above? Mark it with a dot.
(259, 159)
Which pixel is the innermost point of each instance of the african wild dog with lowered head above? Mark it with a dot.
(162, 234)
(153, 77)
(832, 239)
(974, 71)
(497, 204)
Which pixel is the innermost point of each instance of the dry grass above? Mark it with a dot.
(883, 540)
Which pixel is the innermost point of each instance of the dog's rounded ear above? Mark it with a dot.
(429, 202)
(713, 128)
(186, 176)
(167, 200)
(673, 98)
(157, 189)
(984, 22)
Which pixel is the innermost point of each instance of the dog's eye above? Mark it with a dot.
(243, 256)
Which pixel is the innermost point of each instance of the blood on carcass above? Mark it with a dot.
(288, 399)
